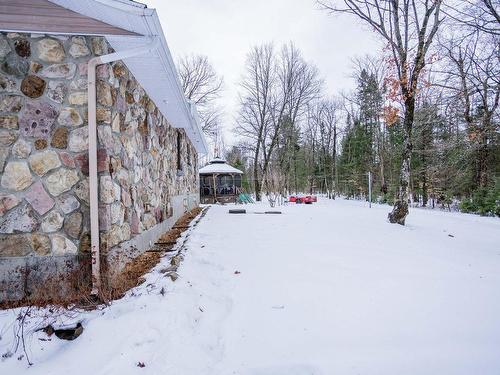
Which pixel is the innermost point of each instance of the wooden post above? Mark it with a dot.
(215, 188)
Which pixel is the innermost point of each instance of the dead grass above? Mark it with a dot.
(73, 289)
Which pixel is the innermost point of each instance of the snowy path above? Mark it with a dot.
(325, 289)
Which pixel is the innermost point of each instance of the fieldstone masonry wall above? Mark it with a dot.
(44, 191)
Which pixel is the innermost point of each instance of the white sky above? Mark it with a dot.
(224, 30)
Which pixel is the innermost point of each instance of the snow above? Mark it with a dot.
(328, 288)
(218, 165)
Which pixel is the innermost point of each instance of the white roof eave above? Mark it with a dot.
(156, 72)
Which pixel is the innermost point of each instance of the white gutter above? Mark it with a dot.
(93, 178)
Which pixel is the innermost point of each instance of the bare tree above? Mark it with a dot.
(203, 86)
(472, 76)
(409, 28)
(256, 104)
(476, 15)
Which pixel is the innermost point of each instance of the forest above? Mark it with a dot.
(422, 121)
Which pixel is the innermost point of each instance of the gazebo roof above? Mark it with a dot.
(218, 165)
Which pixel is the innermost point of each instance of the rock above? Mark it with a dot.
(85, 243)
(68, 203)
(79, 140)
(20, 219)
(66, 71)
(11, 103)
(7, 84)
(9, 122)
(14, 246)
(104, 94)
(117, 212)
(135, 224)
(61, 181)
(78, 98)
(104, 217)
(40, 144)
(73, 224)
(33, 86)
(102, 160)
(126, 200)
(35, 67)
(16, 176)
(99, 46)
(7, 137)
(67, 159)
(120, 104)
(8, 202)
(103, 72)
(82, 69)
(39, 199)
(57, 91)
(4, 154)
(115, 126)
(82, 161)
(82, 191)
(148, 220)
(52, 222)
(107, 189)
(63, 246)
(15, 66)
(21, 149)
(50, 50)
(44, 161)
(40, 244)
(105, 137)
(78, 47)
(117, 234)
(22, 47)
(60, 138)
(4, 47)
(103, 115)
(69, 117)
(120, 70)
(37, 119)
(79, 84)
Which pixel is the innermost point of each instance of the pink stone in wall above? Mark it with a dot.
(102, 72)
(82, 161)
(37, 119)
(127, 202)
(39, 199)
(134, 223)
(67, 159)
(104, 217)
(102, 160)
(82, 69)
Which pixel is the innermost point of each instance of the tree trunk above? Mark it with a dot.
(400, 209)
(256, 177)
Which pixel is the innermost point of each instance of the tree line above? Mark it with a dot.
(422, 121)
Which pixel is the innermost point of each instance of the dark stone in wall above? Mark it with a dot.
(22, 47)
(33, 86)
(60, 138)
(15, 65)
(40, 144)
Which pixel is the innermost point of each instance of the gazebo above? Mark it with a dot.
(219, 182)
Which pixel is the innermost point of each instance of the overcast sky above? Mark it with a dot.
(224, 30)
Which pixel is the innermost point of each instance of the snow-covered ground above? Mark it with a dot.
(330, 288)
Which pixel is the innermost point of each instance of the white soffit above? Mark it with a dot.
(156, 71)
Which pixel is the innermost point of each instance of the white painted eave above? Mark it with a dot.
(156, 72)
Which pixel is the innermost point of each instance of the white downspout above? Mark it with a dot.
(93, 178)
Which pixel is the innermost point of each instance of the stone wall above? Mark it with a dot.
(44, 192)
